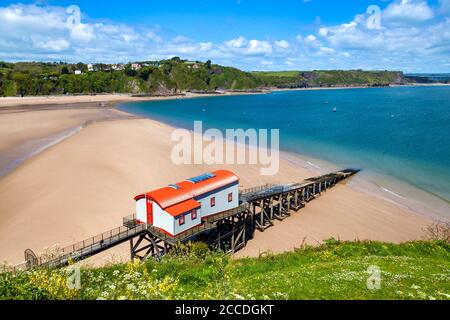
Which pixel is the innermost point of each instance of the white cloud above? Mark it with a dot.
(205, 46)
(414, 36)
(258, 47)
(180, 39)
(236, 43)
(282, 44)
(310, 38)
(323, 32)
(326, 50)
(408, 10)
(409, 36)
(152, 35)
(243, 46)
(52, 45)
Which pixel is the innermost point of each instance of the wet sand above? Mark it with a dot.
(26, 131)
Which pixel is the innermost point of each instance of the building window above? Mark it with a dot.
(194, 214)
(213, 202)
(230, 197)
(181, 220)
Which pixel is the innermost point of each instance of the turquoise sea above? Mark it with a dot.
(399, 137)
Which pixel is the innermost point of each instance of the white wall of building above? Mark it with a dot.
(222, 203)
(188, 222)
(141, 210)
(162, 219)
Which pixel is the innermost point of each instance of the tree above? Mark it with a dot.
(65, 70)
(81, 66)
(22, 82)
(129, 71)
(208, 64)
(144, 73)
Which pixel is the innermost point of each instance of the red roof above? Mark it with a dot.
(185, 190)
(182, 207)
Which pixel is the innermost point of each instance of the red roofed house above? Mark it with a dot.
(180, 207)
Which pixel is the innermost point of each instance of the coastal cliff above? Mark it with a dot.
(171, 77)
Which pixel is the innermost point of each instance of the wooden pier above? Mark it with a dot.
(228, 231)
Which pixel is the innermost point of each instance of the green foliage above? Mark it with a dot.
(168, 77)
(329, 78)
(335, 270)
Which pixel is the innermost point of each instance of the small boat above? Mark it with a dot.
(334, 109)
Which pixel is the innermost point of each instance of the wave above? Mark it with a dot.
(313, 165)
(392, 192)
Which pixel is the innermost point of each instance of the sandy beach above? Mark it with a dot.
(85, 184)
(57, 102)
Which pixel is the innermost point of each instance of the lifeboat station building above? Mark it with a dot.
(179, 207)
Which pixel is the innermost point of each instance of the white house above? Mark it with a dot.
(179, 207)
(90, 67)
(78, 72)
(135, 66)
(118, 67)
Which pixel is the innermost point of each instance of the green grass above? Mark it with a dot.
(328, 78)
(276, 73)
(335, 270)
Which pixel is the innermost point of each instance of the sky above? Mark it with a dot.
(406, 35)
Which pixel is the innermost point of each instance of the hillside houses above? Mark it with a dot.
(136, 66)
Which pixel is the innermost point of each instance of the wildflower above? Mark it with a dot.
(238, 297)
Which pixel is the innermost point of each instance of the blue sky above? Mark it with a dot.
(408, 35)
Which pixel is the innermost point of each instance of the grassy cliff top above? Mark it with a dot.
(335, 270)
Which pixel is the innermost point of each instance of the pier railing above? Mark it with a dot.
(257, 188)
(81, 249)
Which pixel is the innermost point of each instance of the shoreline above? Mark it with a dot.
(309, 163)
(384, 187)
(96, 100)
(109, 100)
(434, 209)
(35, 133)
(99, 157)
(365, 184)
